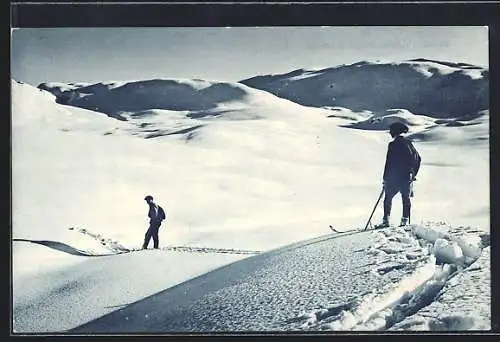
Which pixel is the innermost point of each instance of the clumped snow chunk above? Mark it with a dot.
(464, 303)
(460, 241)
(447, 251)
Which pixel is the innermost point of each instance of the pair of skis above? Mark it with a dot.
(368, 223)
(335, 230)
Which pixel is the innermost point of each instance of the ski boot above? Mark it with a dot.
(384, 224)
(404, 221)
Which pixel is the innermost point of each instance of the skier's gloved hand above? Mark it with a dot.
(412, 177)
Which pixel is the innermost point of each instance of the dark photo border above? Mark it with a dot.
(26, 14)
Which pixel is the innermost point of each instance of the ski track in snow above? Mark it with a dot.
(446, 312)
(411, 302)
(116, 247)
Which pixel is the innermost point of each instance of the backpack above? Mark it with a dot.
(414, 157)
(161, 214)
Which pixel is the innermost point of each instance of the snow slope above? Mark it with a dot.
(369, 281)
(93, 287)
(424, 87)
(238, 173)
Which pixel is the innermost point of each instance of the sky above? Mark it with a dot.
(226, 54)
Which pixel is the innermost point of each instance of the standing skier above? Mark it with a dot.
(401, 167)
(156, 215)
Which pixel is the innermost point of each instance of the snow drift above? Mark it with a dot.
(424, 87)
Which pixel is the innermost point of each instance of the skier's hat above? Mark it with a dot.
(398, 128)
(148, 197)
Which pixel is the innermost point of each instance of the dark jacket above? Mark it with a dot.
(401, 161)
(155, 213)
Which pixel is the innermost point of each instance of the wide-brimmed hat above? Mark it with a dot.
(398, 128)
(148, 197)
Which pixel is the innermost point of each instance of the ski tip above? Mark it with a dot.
(334, 230)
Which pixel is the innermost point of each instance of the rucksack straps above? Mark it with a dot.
(415, 157)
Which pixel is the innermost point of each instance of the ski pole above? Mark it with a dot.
(375, 207)
(411, 195)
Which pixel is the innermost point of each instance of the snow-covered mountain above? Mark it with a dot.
(198, 97)
(240, 172)
(369, 95)
(162, 107)
(422, 86)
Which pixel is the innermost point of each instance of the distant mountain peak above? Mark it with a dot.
(446, 63)
(423, 86)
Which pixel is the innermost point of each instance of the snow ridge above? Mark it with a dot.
(116, 98)
(116, 247)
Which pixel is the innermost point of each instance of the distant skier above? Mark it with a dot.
(401, 167)
(156, 215)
